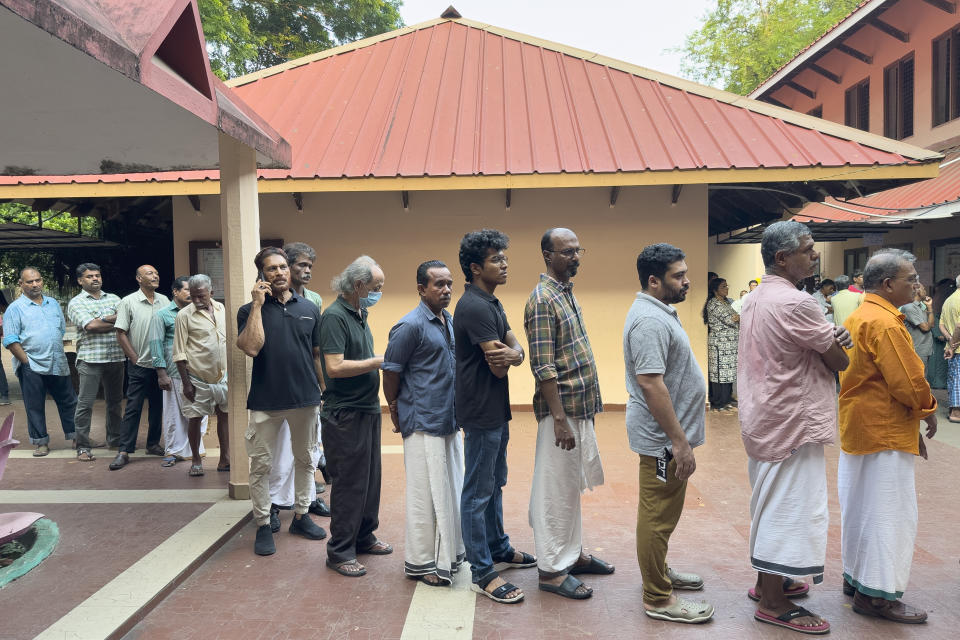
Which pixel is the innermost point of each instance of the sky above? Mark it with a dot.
(635, 31)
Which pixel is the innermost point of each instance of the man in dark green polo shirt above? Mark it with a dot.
(351, 417)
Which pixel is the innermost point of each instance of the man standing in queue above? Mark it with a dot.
(486, 349)
(291, 354)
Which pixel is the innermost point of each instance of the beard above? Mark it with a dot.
(676, 295)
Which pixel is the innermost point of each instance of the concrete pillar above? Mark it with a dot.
(240, 231)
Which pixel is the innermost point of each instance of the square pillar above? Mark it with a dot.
(240, 233)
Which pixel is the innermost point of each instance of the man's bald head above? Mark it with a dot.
(148, 278)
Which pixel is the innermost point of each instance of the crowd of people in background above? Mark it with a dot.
(783, 346)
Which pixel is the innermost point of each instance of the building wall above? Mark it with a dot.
(738, 264)
(923, 22)
(341, 226)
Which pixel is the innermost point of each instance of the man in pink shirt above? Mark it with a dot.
(788, 352)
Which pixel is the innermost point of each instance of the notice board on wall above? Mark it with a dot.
(206, 256)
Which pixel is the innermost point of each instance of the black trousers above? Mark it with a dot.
(351, 442)
(721, 393)
(141, 385)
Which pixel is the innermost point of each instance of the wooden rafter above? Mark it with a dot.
(829, 75)
(943, 5)
(801, 89)
(890, 30)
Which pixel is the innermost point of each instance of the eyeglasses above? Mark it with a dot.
(569, 253)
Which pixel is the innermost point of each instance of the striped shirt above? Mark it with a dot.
(92, 347)
(559, 348)
(161, 339)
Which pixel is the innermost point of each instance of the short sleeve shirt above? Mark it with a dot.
(482, 399)
(92, 347)
(654, 342)
(787, 395)
(346, 331)
(135, 316)
(283, 373)
(950, 314)
(914, 314)
(39, 329)
(421, 350)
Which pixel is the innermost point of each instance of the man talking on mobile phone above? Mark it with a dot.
(665, 421)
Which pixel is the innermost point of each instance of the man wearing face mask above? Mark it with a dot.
(351, 417)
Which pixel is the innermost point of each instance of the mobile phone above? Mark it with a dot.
(260, 276)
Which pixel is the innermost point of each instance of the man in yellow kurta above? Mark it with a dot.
(883, 397)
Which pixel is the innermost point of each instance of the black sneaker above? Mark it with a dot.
(274, 519)
(304, 526)
(319, 508)
(263, 545)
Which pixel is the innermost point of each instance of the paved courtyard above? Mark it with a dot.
(148, 553)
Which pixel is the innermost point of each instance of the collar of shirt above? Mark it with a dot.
(429, 316)
(362, 315)
(43, 300)
(192, 309)
(883, 303)
(646, 297)
(475, 290)
(854, 289)
(561, 287)
(142, 297)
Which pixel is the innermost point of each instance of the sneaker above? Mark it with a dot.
(307, 528)
(4, 401)
(263, 545)
(274, 519)
(156, 450)
(41, 451)
(319, 508)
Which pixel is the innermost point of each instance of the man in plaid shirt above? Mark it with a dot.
(566, 399)
(99, 357)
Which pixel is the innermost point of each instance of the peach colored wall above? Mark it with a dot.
(342, 226)
(924, 23)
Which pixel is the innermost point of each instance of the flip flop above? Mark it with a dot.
(567, 588)
(339, 568)
(798, 590)
(196, 470)
(169, 461)
(785, 620)
(441, 582)
(596, 566)
(526, 561)
(500, 593)
(378, 548)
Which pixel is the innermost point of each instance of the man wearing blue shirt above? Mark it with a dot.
(419, 367)
(33, 332)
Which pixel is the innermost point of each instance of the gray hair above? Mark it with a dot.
(296, 249)
(884, 264)
(842, 281)
(200, 281)
(781, 236)
(360, 270)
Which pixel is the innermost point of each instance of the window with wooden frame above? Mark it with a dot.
(946, 77)
(816, 112)
(856, 106)
(898, 99)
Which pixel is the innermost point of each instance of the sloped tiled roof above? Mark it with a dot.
(452, 97)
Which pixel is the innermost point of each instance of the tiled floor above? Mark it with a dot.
(238, 595)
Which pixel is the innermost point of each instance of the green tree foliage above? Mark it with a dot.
(740, 43)
(247, 35)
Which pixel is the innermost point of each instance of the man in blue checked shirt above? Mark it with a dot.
(33, 332)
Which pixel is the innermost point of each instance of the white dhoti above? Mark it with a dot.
(559, 478)
(788, 508)
(281, 475)
(878, 521)
(175, 436)
(434, 470)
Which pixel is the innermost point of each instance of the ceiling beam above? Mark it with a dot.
(775, 102)
(890, 30)
(943, 5)
(194, 202)
(298, 201)
(405, 200)
(801, 89)
(508, 198)
(614, 194)
(829, 75)
(675, 193)
(854, 53)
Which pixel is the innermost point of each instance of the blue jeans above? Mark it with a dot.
(481, 503)
(34, 387)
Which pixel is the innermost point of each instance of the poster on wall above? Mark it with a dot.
(206, 256)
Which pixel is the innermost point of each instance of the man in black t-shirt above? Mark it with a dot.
(281, 332)
(351, 418)
(486, 348)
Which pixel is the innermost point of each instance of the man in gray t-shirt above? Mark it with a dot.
(665, 420)
(918, 318)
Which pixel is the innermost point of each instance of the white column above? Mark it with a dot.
(240, 231)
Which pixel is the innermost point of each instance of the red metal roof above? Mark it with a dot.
(894, 204)
(452, 97)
